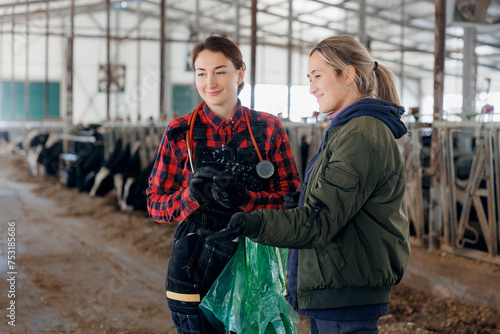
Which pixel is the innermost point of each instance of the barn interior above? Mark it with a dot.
(88, 87)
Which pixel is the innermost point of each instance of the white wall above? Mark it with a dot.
(90, 105)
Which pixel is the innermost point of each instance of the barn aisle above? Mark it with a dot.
(83, 266)
(71, 278)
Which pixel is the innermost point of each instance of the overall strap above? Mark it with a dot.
(235, 142)
(200, 133)
(200, 137)
(258, 128)
(176, 132)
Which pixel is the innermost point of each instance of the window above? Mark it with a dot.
(14, 109)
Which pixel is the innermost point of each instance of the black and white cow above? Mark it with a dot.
(48, 158)
(34, 144)
(116, 164)
(87, 168)
(123, 182)
(4, 142)
(137, 194)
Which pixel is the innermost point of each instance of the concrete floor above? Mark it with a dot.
(450, 276)
(72, 278)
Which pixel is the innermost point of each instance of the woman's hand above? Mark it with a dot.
(201, 183)
(228, 192)
(241, 224)
(291, 200)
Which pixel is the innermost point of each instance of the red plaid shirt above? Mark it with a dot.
(169, 199)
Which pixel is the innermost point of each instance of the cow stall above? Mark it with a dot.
(465, 202)
(119, 156)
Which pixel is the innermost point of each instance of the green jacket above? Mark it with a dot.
(356, 247)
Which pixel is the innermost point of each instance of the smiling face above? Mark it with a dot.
(329, 88)
(217, 81)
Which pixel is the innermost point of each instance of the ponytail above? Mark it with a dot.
(386, 85)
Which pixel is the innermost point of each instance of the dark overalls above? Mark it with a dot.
(194, 264)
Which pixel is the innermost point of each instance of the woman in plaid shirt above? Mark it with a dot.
(205, 173)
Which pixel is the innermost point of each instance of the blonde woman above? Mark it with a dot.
(349, 234)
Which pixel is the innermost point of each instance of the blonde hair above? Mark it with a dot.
(371, 79)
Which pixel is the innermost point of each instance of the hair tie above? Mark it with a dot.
(376, 66)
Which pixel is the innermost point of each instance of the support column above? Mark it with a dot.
(162, 59)
(402, 67)
(117, 101)
(469, 71)
(435, 209)
(46, 83)
(108, 59)
(237, 8)
(253, 51)
(289, 59)
(363, 38)
(419, 92)
(167, 90)
(12, 63)
(196, 21)
(138, 82)
(27, 62)
(68, 119)
(169, 111)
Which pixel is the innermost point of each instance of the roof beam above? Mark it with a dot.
(408, 24)
(23, 3)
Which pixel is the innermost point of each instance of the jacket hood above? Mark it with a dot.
(387, 112)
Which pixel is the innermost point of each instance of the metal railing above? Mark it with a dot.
(468, 163)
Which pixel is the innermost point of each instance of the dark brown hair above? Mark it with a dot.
(223, 45)
(376, 81)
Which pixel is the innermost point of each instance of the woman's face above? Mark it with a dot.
(217, 80)
(329, 89)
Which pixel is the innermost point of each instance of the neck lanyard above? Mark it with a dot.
(265, 168)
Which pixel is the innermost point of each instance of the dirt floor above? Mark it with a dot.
(82, 266)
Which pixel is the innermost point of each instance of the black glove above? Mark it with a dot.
(201, 183)
(291, 200)
(203, 233)
(228, 192)
(241, 224)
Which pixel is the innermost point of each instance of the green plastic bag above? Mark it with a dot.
(248, 296)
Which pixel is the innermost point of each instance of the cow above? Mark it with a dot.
(49, 155)
(137, 194)
(104, 179)
(123, 181)
(4, 142)
(87, 168)
(34, 144)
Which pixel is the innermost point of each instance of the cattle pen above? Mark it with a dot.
(467, 165)
(445, 269)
